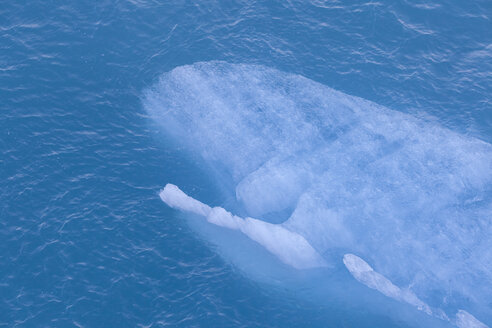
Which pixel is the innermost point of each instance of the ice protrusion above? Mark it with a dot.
(175, 198)
(466, 320)
(365, 274)
(290, 247)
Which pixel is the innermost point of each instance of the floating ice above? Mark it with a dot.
(349, 176)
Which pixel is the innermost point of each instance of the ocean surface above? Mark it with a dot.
(253, 107)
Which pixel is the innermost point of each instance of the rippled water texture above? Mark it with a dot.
(86, 240)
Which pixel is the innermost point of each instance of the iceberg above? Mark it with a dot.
(339, 176)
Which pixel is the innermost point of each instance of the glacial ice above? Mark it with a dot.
(409, 197)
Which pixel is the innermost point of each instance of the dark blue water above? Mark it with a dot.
(84, 238)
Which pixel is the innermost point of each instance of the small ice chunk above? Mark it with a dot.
(222, 218)
(466, 320)
(365, 274)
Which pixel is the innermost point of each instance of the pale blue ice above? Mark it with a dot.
(404, 203)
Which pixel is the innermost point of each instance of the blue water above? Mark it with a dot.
(84, 238)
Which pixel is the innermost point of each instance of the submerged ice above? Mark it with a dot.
(404, 204)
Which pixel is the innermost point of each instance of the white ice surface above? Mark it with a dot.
(175, 198)
(466, 320)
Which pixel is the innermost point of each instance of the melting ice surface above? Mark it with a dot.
(405, 205)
